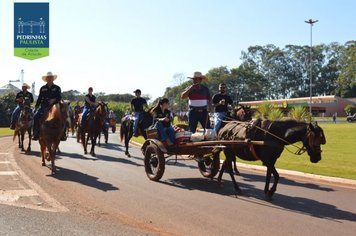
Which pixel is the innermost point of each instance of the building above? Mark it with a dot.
(321, 106)
(9, 88)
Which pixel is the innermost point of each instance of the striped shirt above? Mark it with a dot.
(199, 97)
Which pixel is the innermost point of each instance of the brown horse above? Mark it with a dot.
(93, 127)
(24, 124)
(275, 135)
(51, 130)
(70, 123)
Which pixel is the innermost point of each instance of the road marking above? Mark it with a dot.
(5, 162)
(16, 197)
(8, 173)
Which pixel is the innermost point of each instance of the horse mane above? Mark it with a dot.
(53, 112)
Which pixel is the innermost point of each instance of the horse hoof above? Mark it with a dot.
(29, 149)
(85, 152)
(93, 155)
(239, 191)
(43, 164)
(268, 196)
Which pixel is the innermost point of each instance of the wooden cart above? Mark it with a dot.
(206, 153)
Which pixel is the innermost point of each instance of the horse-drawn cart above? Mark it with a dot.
(206, 153)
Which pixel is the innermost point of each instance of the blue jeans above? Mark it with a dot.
(15, 115)
(36, 120)
(136, 121)
(198, 116)
(218, 118)
(86, 110)
(165, 132)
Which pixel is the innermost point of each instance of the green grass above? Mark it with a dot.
(6, 131)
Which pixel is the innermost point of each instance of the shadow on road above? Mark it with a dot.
(299, 205)
(248, 177)
(81, 178)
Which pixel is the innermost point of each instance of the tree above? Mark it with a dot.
(7, 105)
(346, 82)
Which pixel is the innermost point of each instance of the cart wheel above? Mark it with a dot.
(210, 165)
(154, 162)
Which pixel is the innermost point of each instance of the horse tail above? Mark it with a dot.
(122, 131)
(16, 132)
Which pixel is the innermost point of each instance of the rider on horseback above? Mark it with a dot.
(23, 98)
(137, 105)
(49, 94)
(90, 104)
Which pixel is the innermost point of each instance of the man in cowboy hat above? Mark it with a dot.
(199, 102)
(90, 103)
(24, 97)
(49, 94)
(138, 104)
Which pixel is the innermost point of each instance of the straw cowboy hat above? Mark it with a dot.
(26, 85)
(197, 74)
(44, 78)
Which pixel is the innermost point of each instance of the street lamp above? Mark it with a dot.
(311, 22)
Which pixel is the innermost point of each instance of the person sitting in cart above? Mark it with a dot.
(163, 119)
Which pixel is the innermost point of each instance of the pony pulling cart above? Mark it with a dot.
(259, 140)
(206, 153)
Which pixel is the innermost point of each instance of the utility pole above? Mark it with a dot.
(311, 22)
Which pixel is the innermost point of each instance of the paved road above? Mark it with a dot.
(112, 189)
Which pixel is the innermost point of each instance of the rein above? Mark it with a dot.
(300, 150)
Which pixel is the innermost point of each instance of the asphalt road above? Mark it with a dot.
(110, 194)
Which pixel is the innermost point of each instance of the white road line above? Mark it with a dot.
(5, 162)
(55, 205)
(8, 173)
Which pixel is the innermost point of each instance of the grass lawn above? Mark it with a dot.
(6, 131)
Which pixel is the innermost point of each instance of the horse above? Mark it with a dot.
(24, 124)
(52, 129)
(126, 128)
(105, 131)
(70, 122)
(241, 113)
(275, 135)
(93, 127)
(77, 116)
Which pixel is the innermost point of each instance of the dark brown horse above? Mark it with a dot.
(93, 127)
(241, 113)
(24, 124)
(52, 129)
(70, 123)
(126, 128)
(275, 135)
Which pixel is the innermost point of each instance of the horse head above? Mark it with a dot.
(101, 110)
(243, 113)
(314, 139)
(26, 115)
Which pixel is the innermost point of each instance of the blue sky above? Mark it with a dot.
(116, 46)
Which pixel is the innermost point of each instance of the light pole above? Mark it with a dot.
(311, 22)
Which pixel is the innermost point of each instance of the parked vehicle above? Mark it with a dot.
(351, 118)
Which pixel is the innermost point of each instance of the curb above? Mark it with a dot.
(340, 182)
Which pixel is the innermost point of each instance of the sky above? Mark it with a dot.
(117, 46)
